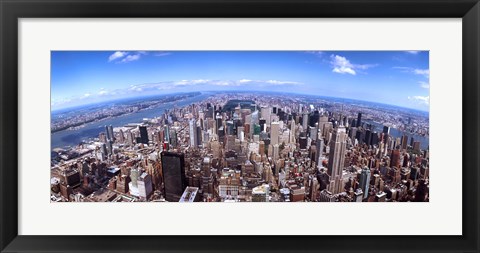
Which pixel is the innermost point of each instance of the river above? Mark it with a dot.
(424, 141)
(68, 138)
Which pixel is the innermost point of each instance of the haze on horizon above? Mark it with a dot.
(399, 78)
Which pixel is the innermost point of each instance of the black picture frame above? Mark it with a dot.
(12, 10)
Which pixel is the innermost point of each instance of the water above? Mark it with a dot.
(73, 137)
(424, 141)
(93, 129)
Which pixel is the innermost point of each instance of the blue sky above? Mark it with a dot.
(393, 77)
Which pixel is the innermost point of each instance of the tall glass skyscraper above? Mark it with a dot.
(173, 167)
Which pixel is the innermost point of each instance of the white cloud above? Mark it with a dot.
(124, 57)
(190, 82)
(404, 69)
(276, 82)
(423, 72)
(420, 100)
(86, 95)
(316, 53)
(342, 65)
(244, 81)
(412, 52)
(181, 85)
(240, 82)
(424, 85)
(364, 66)
(103, 92)
(117, 55)
(224, 83)
(129, 58)
(197, 82)
(141, 87)
(160, 54)
(57, 102)
(200, 81)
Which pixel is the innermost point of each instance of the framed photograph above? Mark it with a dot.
(257, 126)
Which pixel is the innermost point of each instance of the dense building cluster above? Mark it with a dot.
(249, 147)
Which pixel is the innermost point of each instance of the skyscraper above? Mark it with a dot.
(121, 136)
(265, 113)
(305, 121)
(336, 158)
(133, 185)
(102, 137)
(253, 121)
(404, 141)
(274, 129)
(199, 135)
(313, 119)
(173, 167)
(109, 132)
(303, 141)
(365, 181)
(374, 138)
(359, 119)
(292, 131)
(395, 158)
(321, 123)
(319, 146)
(110, 147)
(104, 150)
(313, 132)
(230, 127)
(416, 146)
(207, 178)
(166, 133)
(144, 184)
(275, 152)
(386, 130)
(193, 133)
(143, 134)
(218, 123)
(368, 137)
(130, 137)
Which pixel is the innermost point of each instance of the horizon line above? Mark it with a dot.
(232, 91)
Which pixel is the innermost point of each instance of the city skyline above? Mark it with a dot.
(248, 147)
(240, 126)
(399, 78)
